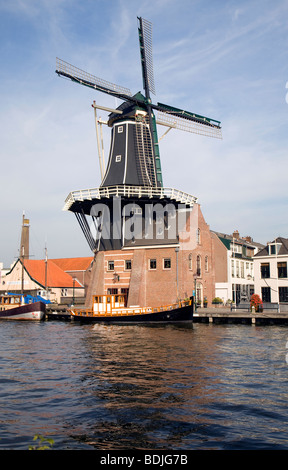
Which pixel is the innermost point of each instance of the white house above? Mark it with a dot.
(234, 270)
(270, 270)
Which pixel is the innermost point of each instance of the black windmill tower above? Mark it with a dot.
(133, 176)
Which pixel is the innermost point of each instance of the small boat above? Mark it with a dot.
(112, 309)
(13, 308)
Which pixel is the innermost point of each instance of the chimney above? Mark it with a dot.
(24, 244)
(236, 234)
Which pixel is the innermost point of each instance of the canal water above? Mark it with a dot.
(210, 387)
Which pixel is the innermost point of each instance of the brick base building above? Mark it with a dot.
(159, 275)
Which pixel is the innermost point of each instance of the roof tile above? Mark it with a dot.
(56, 277)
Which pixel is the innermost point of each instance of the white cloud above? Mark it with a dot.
(225, 62)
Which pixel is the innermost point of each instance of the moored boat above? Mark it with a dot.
(112, 309)
(12, 308)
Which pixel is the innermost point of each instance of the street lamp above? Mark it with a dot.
(73, 290)
(195, 291)
(177, 251)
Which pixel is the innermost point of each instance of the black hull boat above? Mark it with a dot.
(11, 309)
(110, 309)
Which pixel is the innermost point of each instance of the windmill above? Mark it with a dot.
(134, 167)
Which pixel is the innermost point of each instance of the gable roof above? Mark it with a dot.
(283, 249)
(56, 277)
(73, 264)
(227, 240)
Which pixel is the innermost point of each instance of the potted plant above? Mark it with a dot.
(256, 303)
(205, 302)
(217, 301)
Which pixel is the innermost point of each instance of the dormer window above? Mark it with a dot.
(273, 248)
(282, 269)
(236, 248)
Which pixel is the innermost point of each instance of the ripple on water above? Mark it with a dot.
(113, 387)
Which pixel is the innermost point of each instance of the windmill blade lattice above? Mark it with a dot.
(183, 124)
(145, 38)
(134, 157)
(84, 78)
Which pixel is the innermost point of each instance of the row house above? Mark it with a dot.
(270, 268)
(234, 267)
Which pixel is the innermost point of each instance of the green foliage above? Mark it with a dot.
(43, 443)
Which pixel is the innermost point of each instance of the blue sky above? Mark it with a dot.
(223, 59)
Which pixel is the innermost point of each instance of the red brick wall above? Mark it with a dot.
(159, 287)
(221, 270)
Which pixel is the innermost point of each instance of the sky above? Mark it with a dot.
(224, 59)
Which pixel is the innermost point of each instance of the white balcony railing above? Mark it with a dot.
(128, 191)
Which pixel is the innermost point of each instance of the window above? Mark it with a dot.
(118, 158)
(232, 268)
(242, 269)
(110, 265)
(265, 270)
(120, 129)
(283, 294)
(237, 269)
(128, 264)
(282, 269)
(198, 236)
(236, 248)
(198, 265)
(152, 264)
(274, 248)
(190, 262)
(206, 264)
(167, 263)
(112, 291)
(125, 293)
(266, 294)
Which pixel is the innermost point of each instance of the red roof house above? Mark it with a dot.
(39, 276)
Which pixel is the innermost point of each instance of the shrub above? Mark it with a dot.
(256, 302)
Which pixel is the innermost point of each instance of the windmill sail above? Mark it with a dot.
(145, 42)
(187, 121)
(145, 39)
(77, 75)
(134, 157)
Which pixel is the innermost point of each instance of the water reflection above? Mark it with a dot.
(135, 387)
(153, 386)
